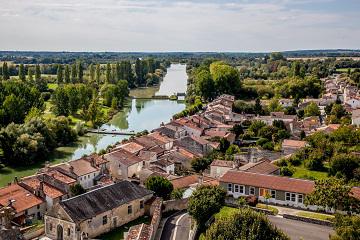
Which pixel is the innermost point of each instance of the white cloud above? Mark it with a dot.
(159, 25)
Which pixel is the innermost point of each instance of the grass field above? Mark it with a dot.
(304, 173)
(319, 216)
(344, 70)
(118, 233)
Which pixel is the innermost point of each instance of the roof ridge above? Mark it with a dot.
(269, 175)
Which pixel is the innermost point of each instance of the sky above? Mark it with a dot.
(178, 25)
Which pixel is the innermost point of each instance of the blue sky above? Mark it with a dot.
(164, 25)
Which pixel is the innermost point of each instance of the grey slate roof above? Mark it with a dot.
(90, 204)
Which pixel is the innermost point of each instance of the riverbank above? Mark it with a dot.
(137, 115)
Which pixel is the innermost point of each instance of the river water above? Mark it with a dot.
(137, 115)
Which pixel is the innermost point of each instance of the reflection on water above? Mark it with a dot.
(137, 115)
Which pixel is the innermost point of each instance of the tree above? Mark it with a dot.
(80, 72)
(233, 149)
(346, 227)
(226, 78)
(160, 185)
(30, 74)
(274, 106)
(344, 165)
(200, 164)
(59, 75)
(204, 202)
(312, 110)
(333, 193)
(258, 107)
(22, 75)
(204, 85)
(287, 171)
(67, 74)
(92, 73)
(244, 224)
(77, 189)
(94, 113)
(98, 74)
(5, 71)
(139, 72)
(237, 130)
(60, 100)
(73, 73)
(177, 193)
(108, 73)
(224, 145)
(37, 73)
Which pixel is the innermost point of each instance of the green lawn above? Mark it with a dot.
(304, 173)
(319, 216)
(52, 86)
(118, 233)
(344, 70)
(225, 212)
(268, 207)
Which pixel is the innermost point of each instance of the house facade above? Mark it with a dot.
(280, 190)
(96, 212)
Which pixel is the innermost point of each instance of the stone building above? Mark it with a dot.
(96, 212)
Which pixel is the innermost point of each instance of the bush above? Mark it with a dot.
(262, 141)
(287, 171)
(268, 146)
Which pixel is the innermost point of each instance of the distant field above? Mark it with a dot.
(345, 69)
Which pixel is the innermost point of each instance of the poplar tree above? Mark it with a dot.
(22, 75)
(108, 73)
(80, 72)
(37, 73)
(118, 73)
(59, 74)
(67, 74)
(73, 73)
(30, 74)
(92, 73)
(98, 74)
(139, 71)
(5, 71)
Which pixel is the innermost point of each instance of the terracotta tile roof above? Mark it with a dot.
(268, 181)
(99, 160)
(49, 190)
(60, 176)
(123, 156)
(200, 140)
(163, 162)
(222, 163)
(293, 143)
(356, 192)
(215, 133)
(161, 137)
(145, 141)
(132, 147)
(20, 197)
(264, 167)
(186, 181)
(81, 167)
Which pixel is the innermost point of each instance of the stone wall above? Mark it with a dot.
(177, 204)
(309, 220)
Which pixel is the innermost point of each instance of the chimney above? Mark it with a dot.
(71, 169)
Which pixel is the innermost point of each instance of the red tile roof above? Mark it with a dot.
(49, 190)
(186, 181)
(20, 197)
(132, 147)
(123, 156)
(264, 167)
(268, 181)
(81, 167)
(60, 176)
(293, 143)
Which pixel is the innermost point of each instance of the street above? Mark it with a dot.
(301, 230)
(177, 227)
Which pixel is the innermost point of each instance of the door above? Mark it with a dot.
(60, 232)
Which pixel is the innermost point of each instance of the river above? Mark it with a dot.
(137, 115)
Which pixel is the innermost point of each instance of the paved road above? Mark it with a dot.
(301, 230)
(177, 227)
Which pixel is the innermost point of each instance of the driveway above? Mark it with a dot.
(177, 227)
(297, 230)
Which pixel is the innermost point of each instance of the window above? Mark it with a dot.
(38, 206)
(252, 191)
(242, 189)
(236, 188)
(104, 220)
(141, 204)
(293, 197)
(68, 231)
(273, 193)
(287, 196)
(300, 198)
(50, 226)
(229, 187)
(262, 192)
(129, 209)
(26, 212)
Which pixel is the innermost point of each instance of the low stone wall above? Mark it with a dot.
(177, 204)
(309, 220)
(34, 233)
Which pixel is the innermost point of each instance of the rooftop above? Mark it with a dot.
(49, 190)
(93, 203)
(293, 143)
(81, 167)
(20, 198)
(264, 167)
(123, 156)
(222, 163)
